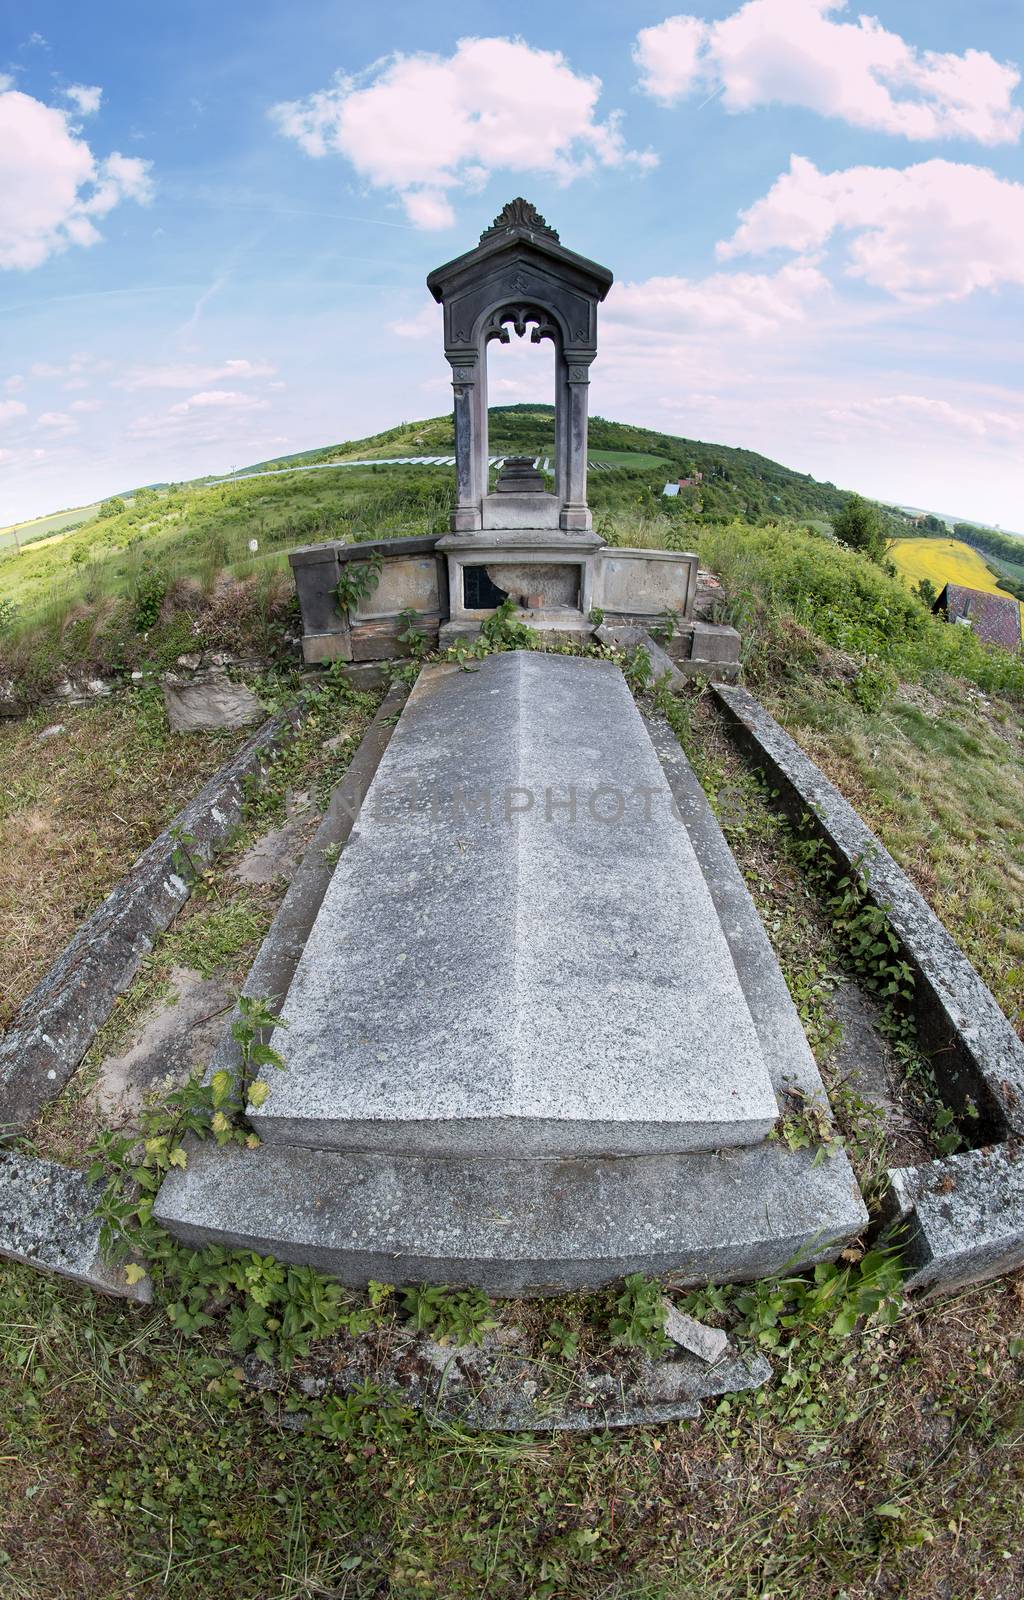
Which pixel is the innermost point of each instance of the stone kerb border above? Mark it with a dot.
(47, 1211)
(57, 1022)
(963, 1216)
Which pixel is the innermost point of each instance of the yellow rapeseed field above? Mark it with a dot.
(943, 561)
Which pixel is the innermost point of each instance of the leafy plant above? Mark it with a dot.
(503, 630)
(639, 1317)
(358, 580)
(562, 1341)
(463, 1315)
(410, 634)
(806, 1124)
(638, 670)
(150, 592)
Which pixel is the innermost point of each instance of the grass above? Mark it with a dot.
(76, 810)
(218, 932)
(136, 1461)
(941, 780)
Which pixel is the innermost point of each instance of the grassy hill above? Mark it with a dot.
(204, 564)
(736, 482)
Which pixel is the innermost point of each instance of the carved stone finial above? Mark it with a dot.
(519, 213)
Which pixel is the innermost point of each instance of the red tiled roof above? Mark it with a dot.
(995, 618)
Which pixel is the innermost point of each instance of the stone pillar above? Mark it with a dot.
(465, 385)
(575, 516)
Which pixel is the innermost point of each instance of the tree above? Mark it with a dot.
(926, 592)
(859, 524)
(112, 507)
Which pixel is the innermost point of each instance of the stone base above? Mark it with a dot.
(512, 1226)
(558, 627)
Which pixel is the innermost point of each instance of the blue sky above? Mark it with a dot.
(216, 221)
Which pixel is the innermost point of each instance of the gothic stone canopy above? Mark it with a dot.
(520, 277)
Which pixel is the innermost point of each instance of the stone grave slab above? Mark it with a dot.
(518, 954)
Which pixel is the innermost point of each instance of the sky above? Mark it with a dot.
(216, 222)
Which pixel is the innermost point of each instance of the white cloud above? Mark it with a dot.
(230, 398)
(53, 190)
(747, 304)
(929, 415)
(14, 382)
(185, 375)
(6, 455)
(85, 98)
(84, 405)
(210, 416)
(796, 52)
(426, 324)
(59, 421)
(935, 231)
(9, 409)
(426, 125)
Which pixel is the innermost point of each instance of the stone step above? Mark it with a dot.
(516, 1226)
(518, 954)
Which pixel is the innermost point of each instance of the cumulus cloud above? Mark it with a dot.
(59, 421)
(935, 231)
(53, 189)
(9, 409)
(84, 405)
(801, 53)
(85, 98)
(425, 126)
(191, 375)
(208, 417)
(15, 381)
(740, 303)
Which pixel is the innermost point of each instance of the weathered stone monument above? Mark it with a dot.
(513, 539)
(536, 1036)
(534, 545)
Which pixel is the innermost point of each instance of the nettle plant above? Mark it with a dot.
(358, 580)
(133, 1167)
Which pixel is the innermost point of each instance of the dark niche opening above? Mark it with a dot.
(478, 592)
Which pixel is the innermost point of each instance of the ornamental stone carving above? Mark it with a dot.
(519, 213)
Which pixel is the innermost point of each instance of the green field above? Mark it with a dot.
(22, 533)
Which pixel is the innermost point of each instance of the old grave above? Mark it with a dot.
(534, 1036)
(526, 1045)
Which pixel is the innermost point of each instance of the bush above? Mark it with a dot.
(859, 524)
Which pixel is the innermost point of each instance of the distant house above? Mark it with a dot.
(995, 618)
(683, 483)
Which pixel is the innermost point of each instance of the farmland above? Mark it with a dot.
(943, 561)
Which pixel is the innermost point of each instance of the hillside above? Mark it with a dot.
(736, 482)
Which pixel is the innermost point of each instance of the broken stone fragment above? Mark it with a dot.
(709, 1344)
